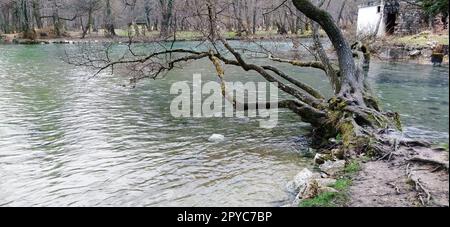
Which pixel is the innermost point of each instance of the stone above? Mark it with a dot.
(333, 168)
(326, 182)
(216, 138)
(302, 179)
(338, 153)
(327, 190)
(415, 53)
(319, 159)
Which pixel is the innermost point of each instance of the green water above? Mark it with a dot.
(66, 140)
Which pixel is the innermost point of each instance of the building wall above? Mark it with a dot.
(368, 20)
(411, 20)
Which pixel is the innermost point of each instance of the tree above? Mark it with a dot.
(87, 7)
(352, 113)
(109, 20)
(166, 8)
(436, 7)
(350, 123)
(36, 7)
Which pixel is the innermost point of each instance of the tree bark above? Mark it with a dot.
(109, 20)
(166, 16)
(37, 13)
(88, 26)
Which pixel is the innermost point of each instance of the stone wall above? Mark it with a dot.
(410, 20)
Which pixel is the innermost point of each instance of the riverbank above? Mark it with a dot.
(414, 49)
(122, 37)
(412, 175)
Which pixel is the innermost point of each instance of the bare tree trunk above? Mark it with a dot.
(341, 11)
(109, 21)
(25, 19)
(37, 13)
(254, 22)
(88, 26)
(148, 10)
(166, 16)
(57, 22)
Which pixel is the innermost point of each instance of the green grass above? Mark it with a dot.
(422, 39)
(353, 167)
(342, 185)
(442, 146)
(322, 200)
(330, 199)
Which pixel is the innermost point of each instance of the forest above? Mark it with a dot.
(162, 17)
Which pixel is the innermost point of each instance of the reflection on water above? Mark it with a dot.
(66, 140)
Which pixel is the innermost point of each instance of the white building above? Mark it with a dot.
(378, 18)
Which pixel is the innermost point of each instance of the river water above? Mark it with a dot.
(66, 140)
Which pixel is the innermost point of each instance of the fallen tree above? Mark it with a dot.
(353, 113)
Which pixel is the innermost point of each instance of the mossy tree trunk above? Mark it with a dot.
(353, 114)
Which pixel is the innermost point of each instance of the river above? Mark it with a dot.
(66, 140)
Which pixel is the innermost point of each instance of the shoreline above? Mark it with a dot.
(396, 53)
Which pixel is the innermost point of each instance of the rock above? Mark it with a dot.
(302, 179)
(216, 138)
(414, 53)
(319, 159)
(333, 168)
(326, 182)
(308, 185)
(314, 188)
(338, 153)
(323, 156)
(327, 190)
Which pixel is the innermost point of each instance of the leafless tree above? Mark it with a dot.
(353, 113)
(87, 8)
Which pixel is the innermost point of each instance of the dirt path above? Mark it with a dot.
(409, 177)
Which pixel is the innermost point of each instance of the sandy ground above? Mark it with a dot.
(410, 177)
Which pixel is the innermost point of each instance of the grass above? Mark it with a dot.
(443, 146)
(353, 167)
(422, 39)
(342, 185)
(323, 200)
(192, 35)
(330, 199)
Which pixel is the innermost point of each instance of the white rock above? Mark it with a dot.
(302, 179)
(319, 159)
(333, 168)
(216, 138)
(326, 182)
(415, 53)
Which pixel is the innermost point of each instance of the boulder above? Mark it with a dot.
(414, 53)
(302, 179)
(312, 189)
(333, 168)
(307, 185)
(325, 182)
(338, 153)
(319, 159)
(216, 138)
